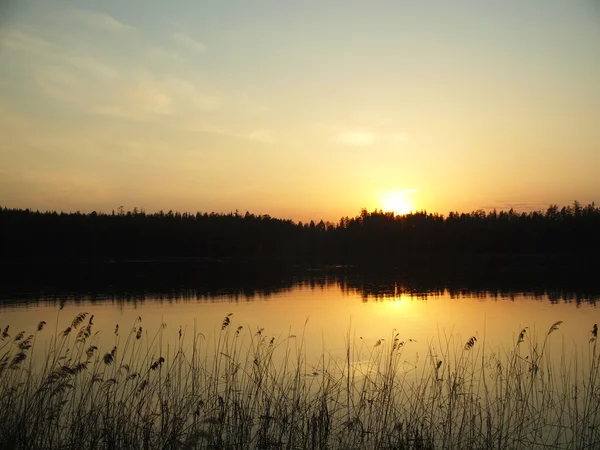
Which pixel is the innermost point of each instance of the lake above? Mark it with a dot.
(325, 307)
(514, 342)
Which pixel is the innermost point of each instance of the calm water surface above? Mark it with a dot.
(326, 311)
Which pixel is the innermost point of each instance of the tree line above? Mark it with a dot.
(370, 236)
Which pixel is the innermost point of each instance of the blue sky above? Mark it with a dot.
(298, 109)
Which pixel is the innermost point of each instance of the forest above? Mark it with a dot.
(25, 235)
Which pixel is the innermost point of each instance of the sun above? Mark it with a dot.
(398, 202)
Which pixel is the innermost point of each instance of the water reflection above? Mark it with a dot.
(137, 284)
(337, 321)
(328, 308)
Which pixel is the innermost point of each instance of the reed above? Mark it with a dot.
(242, 389)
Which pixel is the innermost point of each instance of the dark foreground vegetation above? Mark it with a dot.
(242, 389)
(570, 231)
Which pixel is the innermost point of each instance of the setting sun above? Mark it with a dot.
(398, 202)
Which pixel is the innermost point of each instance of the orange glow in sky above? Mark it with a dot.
(301, 110)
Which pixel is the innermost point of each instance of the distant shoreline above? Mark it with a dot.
(476, 241)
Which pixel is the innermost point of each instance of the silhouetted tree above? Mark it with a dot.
(375, 236)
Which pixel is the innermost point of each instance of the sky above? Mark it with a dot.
(299, 109)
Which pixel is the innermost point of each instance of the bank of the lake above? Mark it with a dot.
(242, 389)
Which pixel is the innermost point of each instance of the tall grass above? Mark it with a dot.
(242, 389)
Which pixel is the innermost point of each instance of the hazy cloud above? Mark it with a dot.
(59, 84)
(21, 41)
(93, 66)
(144, 96)
(99, 20)
(191, 94)
(139, 100)
(149, 97)
(356, 138)
(117, 111)
(162, 53)
(260, 136)
(188, 42)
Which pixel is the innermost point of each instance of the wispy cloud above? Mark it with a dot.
(21, 41)
(117, 111)
(190, 93)
(59, 84)
(106, 94)
(162, 53)
(260, 136)
(356, 138)
(149, 96)
(188, 42)
(93, 66)
(145, 96)
(99, 20)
